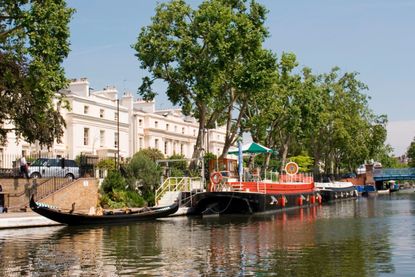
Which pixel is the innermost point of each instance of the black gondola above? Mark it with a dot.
(119, 217)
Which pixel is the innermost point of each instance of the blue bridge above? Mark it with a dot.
(387, 174)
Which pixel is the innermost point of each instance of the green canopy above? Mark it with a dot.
(253, 147)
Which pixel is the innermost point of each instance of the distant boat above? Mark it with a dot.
(336, 190)
(108, 217)
(393, 186)
(383, 191)
(369, 190)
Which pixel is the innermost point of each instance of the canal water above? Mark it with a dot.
(363, 237)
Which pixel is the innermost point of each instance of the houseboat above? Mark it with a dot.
(235, 191)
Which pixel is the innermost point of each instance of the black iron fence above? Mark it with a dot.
(46, 165)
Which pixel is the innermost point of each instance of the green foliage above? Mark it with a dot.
(108, 164)
(324, 115)
(176, 172)
(152, 153)
(143, 174)
(180, 165)
(260, 161)
(116, 194)
(121, 199)
(305, 163)
(113, 181)
(411, 154)
(211, 59)
(34, 40)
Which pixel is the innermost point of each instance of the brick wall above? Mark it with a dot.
(83, 192)
(16, 193)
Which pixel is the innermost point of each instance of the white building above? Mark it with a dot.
(93, 127)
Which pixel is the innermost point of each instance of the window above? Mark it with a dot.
(140, 123)
(194, 132)
(116, 116)
(101, 113)
(165, 147)
(156, 143)
(116, 138)
(86, 136)
(167, 127)
(140, 143)
(175, 128)
(183, 130)
(101, 138)
(86, 109)
(181, 148)
(218, 137)
(156, 124)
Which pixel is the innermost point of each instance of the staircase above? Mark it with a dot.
(50, 186)
(18, 199)
(171, 188)
(168, 198)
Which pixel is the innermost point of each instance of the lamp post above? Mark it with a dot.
(118, 135)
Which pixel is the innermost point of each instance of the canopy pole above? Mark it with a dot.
(240, 161)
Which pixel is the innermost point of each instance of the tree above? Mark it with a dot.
(281, 115)
(143, 174)
(33, 43)
(211, 58)
(411, 154)
(347, 132)
(152, 153)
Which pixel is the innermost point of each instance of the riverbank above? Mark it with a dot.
(24, 220)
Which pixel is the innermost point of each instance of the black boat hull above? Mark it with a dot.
(249, 203)
(332, 194)
(116, 218)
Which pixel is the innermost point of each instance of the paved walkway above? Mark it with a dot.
(24, 220)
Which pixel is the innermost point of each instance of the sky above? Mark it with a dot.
(372, 37)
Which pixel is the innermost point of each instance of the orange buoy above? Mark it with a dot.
(319, 198)
(300, 200)
(312, 199)
(283, 201)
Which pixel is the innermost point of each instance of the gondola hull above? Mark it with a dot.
(115, 218)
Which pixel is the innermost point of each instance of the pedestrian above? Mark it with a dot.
(24, 167)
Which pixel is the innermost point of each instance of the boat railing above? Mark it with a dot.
(271, 176)
(297, 178)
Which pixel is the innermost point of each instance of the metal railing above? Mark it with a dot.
(394, 172)
(49, 186)
(178, 184)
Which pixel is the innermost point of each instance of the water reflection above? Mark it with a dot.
(351, 238)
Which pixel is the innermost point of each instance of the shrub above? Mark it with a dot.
(143, 174)
(108, 164)
(112, 182)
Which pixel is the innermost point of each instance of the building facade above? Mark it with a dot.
(102, 123)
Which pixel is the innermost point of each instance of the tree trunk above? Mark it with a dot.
(266, 162)
(198, 151)
(284, 155)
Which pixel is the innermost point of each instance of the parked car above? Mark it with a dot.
(46, 168)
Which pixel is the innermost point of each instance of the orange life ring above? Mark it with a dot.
(291, 168)
(216, 177)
